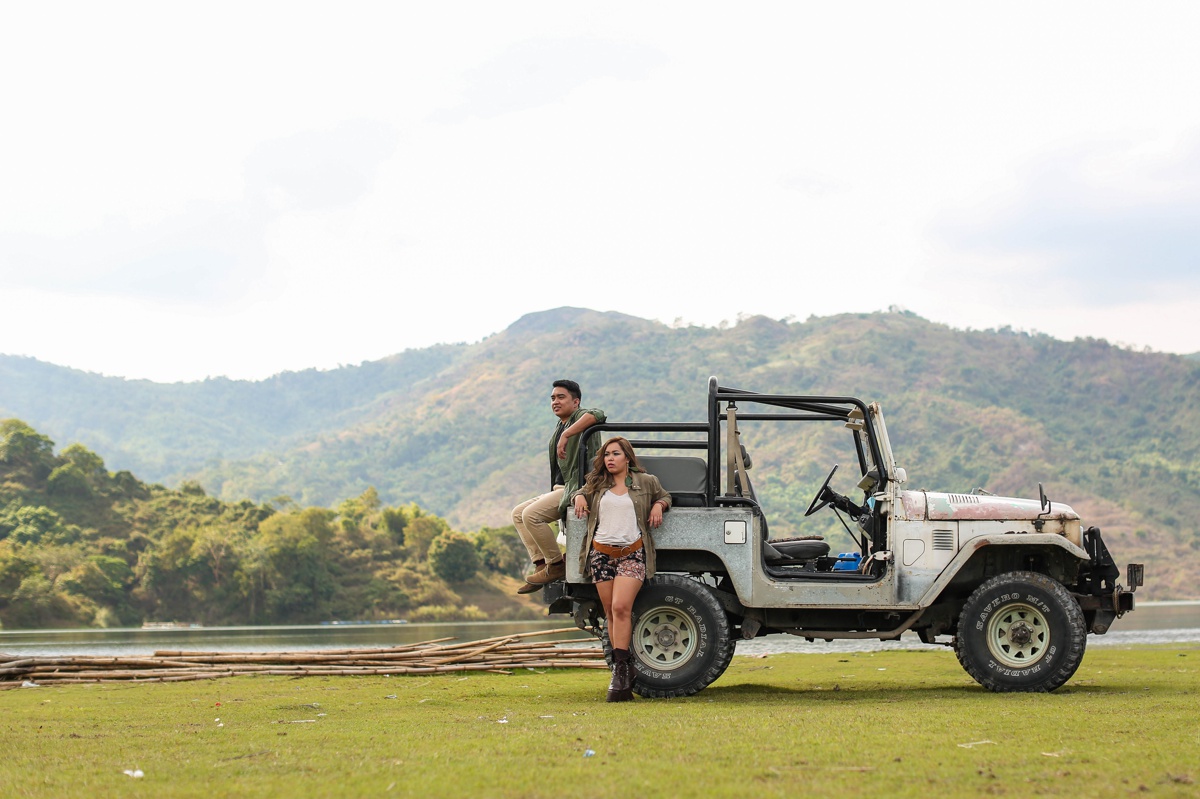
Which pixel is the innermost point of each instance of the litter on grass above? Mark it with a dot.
(975, 743)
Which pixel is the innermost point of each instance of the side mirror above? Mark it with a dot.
(899, 475)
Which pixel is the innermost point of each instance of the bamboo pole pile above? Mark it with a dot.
(501, 654)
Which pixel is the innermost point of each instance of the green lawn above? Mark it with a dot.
(884, 724)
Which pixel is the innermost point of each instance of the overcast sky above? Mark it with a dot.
(192, 190)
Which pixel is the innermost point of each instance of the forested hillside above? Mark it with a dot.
(1108, 430)
(166, 432)
(81, 546)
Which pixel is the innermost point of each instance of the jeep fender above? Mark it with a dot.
(974, 546)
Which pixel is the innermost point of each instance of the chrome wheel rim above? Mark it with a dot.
(1018, 635)
(664, 638)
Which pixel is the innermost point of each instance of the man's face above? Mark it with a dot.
(562, 403)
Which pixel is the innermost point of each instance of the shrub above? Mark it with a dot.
(452, 557)
(447, 613)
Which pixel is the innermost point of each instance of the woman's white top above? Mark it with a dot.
(618, 525)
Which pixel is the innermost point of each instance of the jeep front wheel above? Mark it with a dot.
(681, 638)
(1021, 631)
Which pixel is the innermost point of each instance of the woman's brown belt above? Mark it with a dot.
(617, 552)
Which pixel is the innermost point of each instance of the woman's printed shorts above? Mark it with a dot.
(605, 568)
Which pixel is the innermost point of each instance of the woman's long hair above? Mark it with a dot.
(599, 477)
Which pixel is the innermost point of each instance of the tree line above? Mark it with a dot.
(84, 547)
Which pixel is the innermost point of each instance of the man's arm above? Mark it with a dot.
(582, 423)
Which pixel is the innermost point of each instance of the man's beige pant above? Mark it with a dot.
(532, 518)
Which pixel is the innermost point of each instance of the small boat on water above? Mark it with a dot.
(171, 625)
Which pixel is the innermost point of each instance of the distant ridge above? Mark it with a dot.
(460, 429)
(166, 431)
(559, 318)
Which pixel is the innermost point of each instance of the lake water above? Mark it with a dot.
(1151, 623)
(298, 638)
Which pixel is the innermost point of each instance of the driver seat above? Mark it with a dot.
(794, 551)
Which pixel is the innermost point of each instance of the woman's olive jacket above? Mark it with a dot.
(644, 490)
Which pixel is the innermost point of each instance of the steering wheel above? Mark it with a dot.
(818, 503)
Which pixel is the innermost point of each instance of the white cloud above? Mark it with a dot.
(325, 169)
(245, 188)
(540, 72)
(1102, 235)
(209, 254)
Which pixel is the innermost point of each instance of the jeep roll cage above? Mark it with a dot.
(853, 412)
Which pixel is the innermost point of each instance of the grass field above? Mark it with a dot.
(883, 724)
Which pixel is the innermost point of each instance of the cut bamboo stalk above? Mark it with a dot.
(499, 654)
(472, 653)
(519, 635)
(399, 648)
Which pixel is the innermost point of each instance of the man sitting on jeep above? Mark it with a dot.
(532, 517)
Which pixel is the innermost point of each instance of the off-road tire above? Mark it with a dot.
(1021, 631)
(677, 604)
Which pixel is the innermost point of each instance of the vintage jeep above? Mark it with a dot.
(1015, 585)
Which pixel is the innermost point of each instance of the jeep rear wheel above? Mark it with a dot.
(1021, 631)
(681, 638)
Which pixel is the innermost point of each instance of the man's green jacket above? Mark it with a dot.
(568, 467)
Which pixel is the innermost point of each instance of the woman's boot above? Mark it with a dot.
(621, 687)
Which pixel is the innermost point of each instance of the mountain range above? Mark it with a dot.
(461, 429)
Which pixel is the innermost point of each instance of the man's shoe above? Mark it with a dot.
(549, 574)
(529, 588)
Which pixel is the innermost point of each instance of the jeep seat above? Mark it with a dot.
(788, 551)
(683, 477)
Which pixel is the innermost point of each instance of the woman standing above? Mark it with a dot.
(622, 504)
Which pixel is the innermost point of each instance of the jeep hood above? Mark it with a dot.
(931, 506)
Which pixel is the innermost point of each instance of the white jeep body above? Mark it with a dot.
(926, 560)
